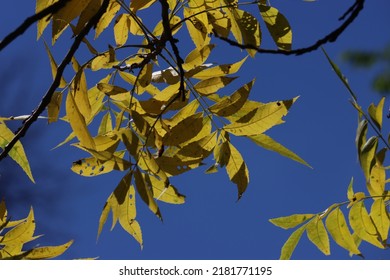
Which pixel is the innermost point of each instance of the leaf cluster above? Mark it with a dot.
(361, 224)
(14, 235)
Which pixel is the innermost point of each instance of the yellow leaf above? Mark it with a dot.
(200, 148)
(78, 124)
(237, 170)
(106, 124)
(54, 67)
(278, 27)
(212, 85)
(109, 89)
(47, 252)
(44, 22)
(350, 192)
(136, 5)
(79, 90)
(317, 234)
(291, 221)
(145, 75)
(231, 104)
(270, 144)
(168, 194)
(121, 29)
(362, 224)
(197, 57)
(53, 109)
(108, 16)
(130, 140)
(87, 14)
(376, 183)
(173, 23)
(220, 22)
(197, 27)
(338, 229)
(175, 165)
(291, 243)
(265, 117)
(149, 164)
(367, 156)
(21, 233)
(105, 60)
(93, 167)
(64, 16)
(380, 217)
(185, 130)
(245, 28)
(131, 79)
(376, 113)
(17, 152)
(146, 193)
(220, 70)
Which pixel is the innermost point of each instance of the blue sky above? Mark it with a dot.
(211, 224)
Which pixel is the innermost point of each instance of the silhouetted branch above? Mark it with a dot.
(353, 13)
(52, 9)
(61, 68)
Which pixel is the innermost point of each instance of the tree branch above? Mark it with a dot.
(61, 68)
(52, 9)
(168, 35)
(353, 12)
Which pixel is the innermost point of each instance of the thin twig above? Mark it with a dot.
(353, 12)
(52, 9)
(61, 68)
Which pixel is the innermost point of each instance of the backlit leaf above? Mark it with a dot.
(350, 192)
(17, 152)
(237, 170)
(270, 144)
(245, 28)
(220, 70)
(317, 234)
(44, 22)
(87, 14)
(121, 29)
(338, 229)
(108, 16)
(109, 89)
(197, 57)
(292, 221)
(376, 183)
(380, 217)
(136, 5)
(173, 23)
(278, 26)
(265, 117)
(362, 224)
(168, 194)
(197, 27)
(146, 193)
(131, 79)
(54, 67)
(231, 104)
(21, 233)
(47, 252)
(53, 109)
(291, 243)
(376, 113)
(367, 156)
(106, 124)
(64, 16)
(78, 124)
(212, 85)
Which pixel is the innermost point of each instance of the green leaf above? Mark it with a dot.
(338, 229)
(278, 26)
(270, 144)
(17, 152)
(376, 113)
(362, 224)
(291, 243)
(317, 234)
(291, 221)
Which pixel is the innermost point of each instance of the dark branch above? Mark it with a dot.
(168, 35)
(61, 68)
(52, 9)
(353, 12)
